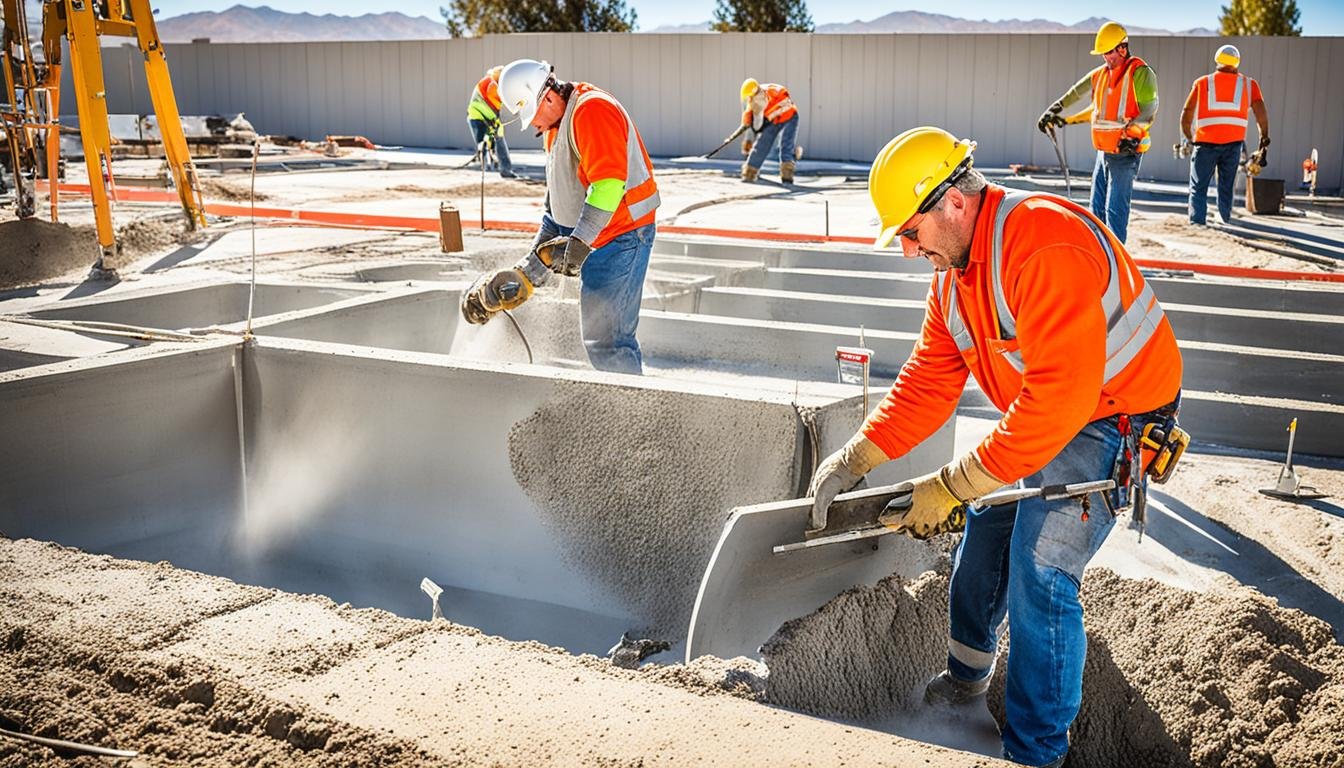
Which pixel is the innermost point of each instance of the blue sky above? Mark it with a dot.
(1319, 17)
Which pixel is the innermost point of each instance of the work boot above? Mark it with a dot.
(749, 173)
(786, 171)
(946, 689)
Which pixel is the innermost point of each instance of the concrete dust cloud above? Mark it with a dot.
(294, 475)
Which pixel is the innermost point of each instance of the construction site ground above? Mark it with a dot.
(1216, 638)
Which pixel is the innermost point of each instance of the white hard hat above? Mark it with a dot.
(520, 86)
(1228, 56)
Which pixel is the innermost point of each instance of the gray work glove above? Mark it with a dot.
(840, 472)
(1051, 116)
(564, 255)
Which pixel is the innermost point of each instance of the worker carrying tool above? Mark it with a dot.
(598, 222)
(1045, 308)
(1214, 120)
(1123, 104)
(487, 129)
(770, 114)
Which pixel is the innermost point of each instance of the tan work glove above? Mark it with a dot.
(747, 144)
(494, 293)
(938, 499)
(840, 472)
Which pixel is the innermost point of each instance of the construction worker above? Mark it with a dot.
(1214, 120)
(598, 222)
(486, 128)
(1044, 307)
(770, 113)
(1123, 104)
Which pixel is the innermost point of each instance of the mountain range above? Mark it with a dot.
(263, 24)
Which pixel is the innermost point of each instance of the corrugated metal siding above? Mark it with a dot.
(855, 91)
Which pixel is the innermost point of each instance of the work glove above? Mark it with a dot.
(937, 501)
(1051, 116)
(840, 472)
(747, 144)
(494, 293)
(564, 255)
(1127, 144)
(1264, 142)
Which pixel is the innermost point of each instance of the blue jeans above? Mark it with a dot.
(1026, 562)
(612, 287)
(786, 132)
(1206, 159)
(1112, 187)
(479, 131)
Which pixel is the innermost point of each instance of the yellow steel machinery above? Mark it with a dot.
(82, 23)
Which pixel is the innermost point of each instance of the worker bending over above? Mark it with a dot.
(1214, 119)
(1044, 307)
(483, 117)
(599, 213)
(771, 114)
(1124, 102)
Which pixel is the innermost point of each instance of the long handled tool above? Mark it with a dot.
(1059, 153)
(741, 129)
(855, 514)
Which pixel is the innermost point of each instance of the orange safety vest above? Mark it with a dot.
(1053, 319)
(1219, 120)
(778, 106)
(612, 142)
(1114, 105)
(489, 91)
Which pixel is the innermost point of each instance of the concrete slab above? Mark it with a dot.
(411, 319)
(724, 271)
(25, 346)
(819, 308)
(415, 270)
(1261, 423)
(1277, 296)
(1271, 373)
(828, 257)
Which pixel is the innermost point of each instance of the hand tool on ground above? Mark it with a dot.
(853, 516)
(434, 591)
(1290, 487)
(74, 746)
(1059, 153)
(741, 129)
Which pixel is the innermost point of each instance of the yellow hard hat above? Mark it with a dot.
(1110, 35)
(912, 170)
(749, 88)
(1228, 56)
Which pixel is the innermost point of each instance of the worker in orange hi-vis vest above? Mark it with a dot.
(1123, 104)
(483, 118)
(1033, 297)
(598, 222)
(771, 114)
(1215, 120)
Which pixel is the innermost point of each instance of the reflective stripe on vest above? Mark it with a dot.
(779, 104)
(1210, 112)
(1127, 330)
(562, 167)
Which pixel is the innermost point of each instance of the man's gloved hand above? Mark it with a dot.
(494, 293)
(840, 472)
(937, 501)
(1051, 116)
(747, 144)
(1264, 142)
(1127, 144)
(564, 255)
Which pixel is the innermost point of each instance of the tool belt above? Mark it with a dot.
(1151, 444)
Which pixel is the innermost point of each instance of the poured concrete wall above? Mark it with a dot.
(197, 306)
(414, 319)
(119, 453)
(855, 91)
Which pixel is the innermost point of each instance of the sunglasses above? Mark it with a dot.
(932, 200)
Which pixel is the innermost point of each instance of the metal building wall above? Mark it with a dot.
(855, 91)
